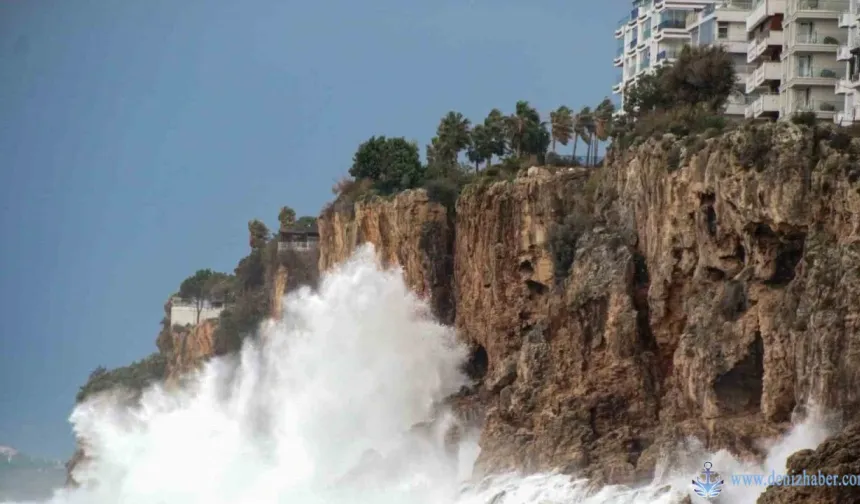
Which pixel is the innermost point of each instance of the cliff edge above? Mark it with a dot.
(702, 287)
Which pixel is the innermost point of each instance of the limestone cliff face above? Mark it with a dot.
(187, 348)
(838, 456)
(705, 287)
(409, 231)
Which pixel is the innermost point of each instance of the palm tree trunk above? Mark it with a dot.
(553, 145)
(575, 141)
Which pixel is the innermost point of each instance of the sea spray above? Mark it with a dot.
(321, 408)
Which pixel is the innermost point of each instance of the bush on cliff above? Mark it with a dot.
(132, 378)
(250, 291)
(683, 98)
(384, 166)
(391, 164)
(562, 241)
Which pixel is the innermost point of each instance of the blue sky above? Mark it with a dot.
(137, 138)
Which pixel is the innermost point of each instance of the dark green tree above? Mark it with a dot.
(258, 234)
(306, 222)
(287, 217)
(480, 149)
(647, 93)
(521, 127)
(525, 131)
(393, 164)
(495, 128)
(700, 75)
(197, 288)
(453, 137)
(561, 122)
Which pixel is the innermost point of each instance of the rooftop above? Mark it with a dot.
(311, 230)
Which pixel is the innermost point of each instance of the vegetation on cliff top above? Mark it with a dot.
(383, 166)
(247, 296)
(132, 378)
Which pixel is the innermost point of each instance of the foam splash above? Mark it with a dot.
(322, 410)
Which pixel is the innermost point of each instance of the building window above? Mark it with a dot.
(722, 30)
(706, 32)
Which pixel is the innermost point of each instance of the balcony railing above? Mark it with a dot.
(818, 106)
(736, 4)
(691, 19)
(619, 52)
(820, 38)
(672, 24)
(820, 72)
(666, 54)
(817, 5)
(622, 22)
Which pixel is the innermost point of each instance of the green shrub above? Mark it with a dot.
(804, 119)
(132, 378)
(753, 147)
(562, 242)
(673, 158)
(444, 191)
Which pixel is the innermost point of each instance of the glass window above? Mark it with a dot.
(722, 30)
(706, 32)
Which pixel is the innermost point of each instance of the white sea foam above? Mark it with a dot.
(322, 409)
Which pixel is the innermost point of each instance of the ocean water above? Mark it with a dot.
(322, 409)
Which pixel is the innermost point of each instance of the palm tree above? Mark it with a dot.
(480, 148)
(561, 122)
(494, 125)
(453, 134)
(602, 123)
(581, 130)
(519, 123)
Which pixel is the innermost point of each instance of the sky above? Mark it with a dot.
(138, 138)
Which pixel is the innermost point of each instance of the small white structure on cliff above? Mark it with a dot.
(184, 311)
(300, 239)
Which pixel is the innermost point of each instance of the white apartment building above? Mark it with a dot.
(653, 34)
(724, 23)
(791, 56)
(184, 312)
(810, 71)
(848, 87)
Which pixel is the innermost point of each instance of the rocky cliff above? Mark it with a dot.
(187, 347)
(408, 231)
(702, 287)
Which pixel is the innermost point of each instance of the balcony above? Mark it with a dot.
(764, 104)
(816, 42)
(736, 105)
(816, 9)
(619, 28)
(758, 46)
(761, 9)
(846, 19)
(824, 109)
(815, 76)
(672, 24)
(769, 70)
(667, 56)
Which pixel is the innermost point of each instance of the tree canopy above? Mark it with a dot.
(392, 163)
(133, 378)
